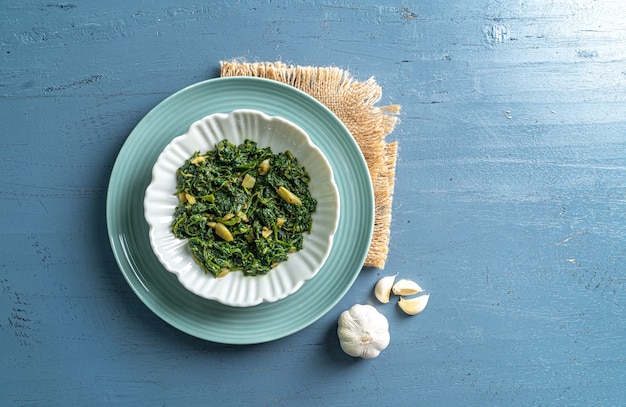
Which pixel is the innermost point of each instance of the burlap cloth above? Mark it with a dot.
(355, 104)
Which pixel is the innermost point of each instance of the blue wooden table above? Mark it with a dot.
(510, 202)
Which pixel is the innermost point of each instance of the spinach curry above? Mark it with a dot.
(242, 207)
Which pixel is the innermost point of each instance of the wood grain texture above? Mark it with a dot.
(510, 202)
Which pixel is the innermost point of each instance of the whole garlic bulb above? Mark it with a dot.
(363, 331)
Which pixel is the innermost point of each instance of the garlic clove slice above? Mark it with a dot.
(406, 287)
(413, 306)
(382, 290)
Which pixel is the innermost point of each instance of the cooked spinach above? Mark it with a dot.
(242, 207)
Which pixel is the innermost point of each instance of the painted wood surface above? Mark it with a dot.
(510, 204)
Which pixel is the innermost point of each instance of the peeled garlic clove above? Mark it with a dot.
(223, 232)
(413, 306)
(382, 290)
(406, 287)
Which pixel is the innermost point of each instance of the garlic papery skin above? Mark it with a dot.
(363, 331)
(413, 306)
(382, 290)
(406, 287)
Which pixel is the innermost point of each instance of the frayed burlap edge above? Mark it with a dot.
(354, 103)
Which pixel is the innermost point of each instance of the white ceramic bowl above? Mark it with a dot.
(235, 289)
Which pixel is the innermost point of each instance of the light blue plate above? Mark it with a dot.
(160, 290)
